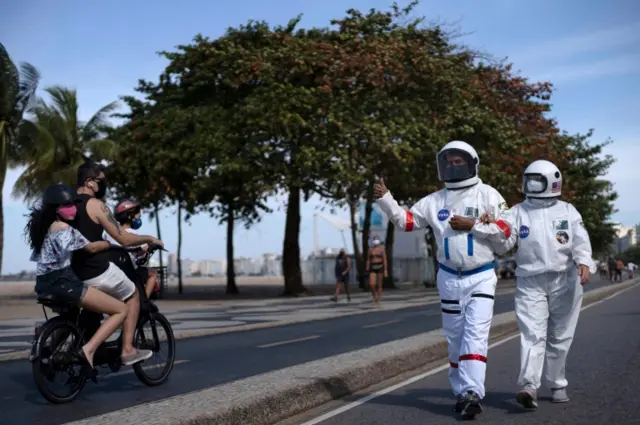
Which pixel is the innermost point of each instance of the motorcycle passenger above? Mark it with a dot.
(96, 269)
(53, 242)
(129, 214)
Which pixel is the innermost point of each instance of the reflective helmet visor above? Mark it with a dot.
(534, 184)
(456, 165)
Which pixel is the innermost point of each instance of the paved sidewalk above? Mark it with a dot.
(16, 334)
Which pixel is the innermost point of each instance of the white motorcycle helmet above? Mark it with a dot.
(542, 180)
(458, 165)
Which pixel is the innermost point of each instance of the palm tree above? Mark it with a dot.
(55, 142)
(17, 91)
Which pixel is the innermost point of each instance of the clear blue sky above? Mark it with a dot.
(590, 50)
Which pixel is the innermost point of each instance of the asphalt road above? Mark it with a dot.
(603, 371)
(217, 359)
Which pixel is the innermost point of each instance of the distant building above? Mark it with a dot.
(626, 237)
(271, 265)
(215, 267)
(191, 267)
(172, 265)
(247, 266)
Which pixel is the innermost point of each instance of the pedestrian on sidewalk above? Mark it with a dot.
(342, 268)
(611, 263)
(377, 268)
(553, 262)
(631, 269)
(619, 268)
(466, 276)
(602, 267)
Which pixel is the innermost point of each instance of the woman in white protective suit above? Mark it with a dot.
(553, 262)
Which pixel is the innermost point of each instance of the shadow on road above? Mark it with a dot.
(439, 401)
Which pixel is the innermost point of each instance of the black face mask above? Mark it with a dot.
(102, 189)
(458, 172)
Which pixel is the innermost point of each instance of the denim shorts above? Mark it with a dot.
(62, 286)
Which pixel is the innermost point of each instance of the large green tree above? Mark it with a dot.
(130, 172)
(205, 81)
(327, 111)
(267, 81)
(400, 91)
(157, 159)
(631, 255)
(17, 92)
(233, 190)
(588, 190)
(54, 141)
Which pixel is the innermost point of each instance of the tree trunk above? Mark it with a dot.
(156, 212)
(3, 174)
(231, 271)
(388, 246)
(179, 247)
(291, 247)
(162, 276)
(366, 227)
(353, 209)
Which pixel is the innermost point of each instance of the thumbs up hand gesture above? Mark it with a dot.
(379, 189)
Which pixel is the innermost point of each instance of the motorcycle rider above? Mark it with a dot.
(466, 276)
(92, 219)
(129, 214)
(554, 260)
(53, 242)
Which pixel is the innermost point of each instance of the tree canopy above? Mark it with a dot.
(326, 111)
(17, 93)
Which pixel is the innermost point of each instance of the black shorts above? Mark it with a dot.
(342, 278)
(377, 268)
(63, 286)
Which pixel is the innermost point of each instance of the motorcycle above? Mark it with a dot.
(56, 341)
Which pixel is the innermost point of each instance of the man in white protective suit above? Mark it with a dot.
(466, 276)
(553, 262)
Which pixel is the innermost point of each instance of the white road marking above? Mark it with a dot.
(290, 341)
(129, 371)
(375, 325)
(14, 344)
(424, 375)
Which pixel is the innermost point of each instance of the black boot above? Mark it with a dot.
(460, 403)
(471, 406)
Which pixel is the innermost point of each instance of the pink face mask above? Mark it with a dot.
(68, 212)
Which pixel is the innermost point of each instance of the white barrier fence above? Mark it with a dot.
(321, 270)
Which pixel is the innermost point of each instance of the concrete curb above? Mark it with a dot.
(272, 397)
(195, 333)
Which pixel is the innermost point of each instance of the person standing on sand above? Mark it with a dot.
(377, 268)
(343, 266)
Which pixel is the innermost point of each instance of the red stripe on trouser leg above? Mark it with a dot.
(409, 221)
(477, 357)
(505, 228)
(453, 365)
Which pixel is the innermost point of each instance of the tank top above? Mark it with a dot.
(341, 264)
(84, 264)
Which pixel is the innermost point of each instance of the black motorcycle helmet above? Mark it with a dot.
(59, 194)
